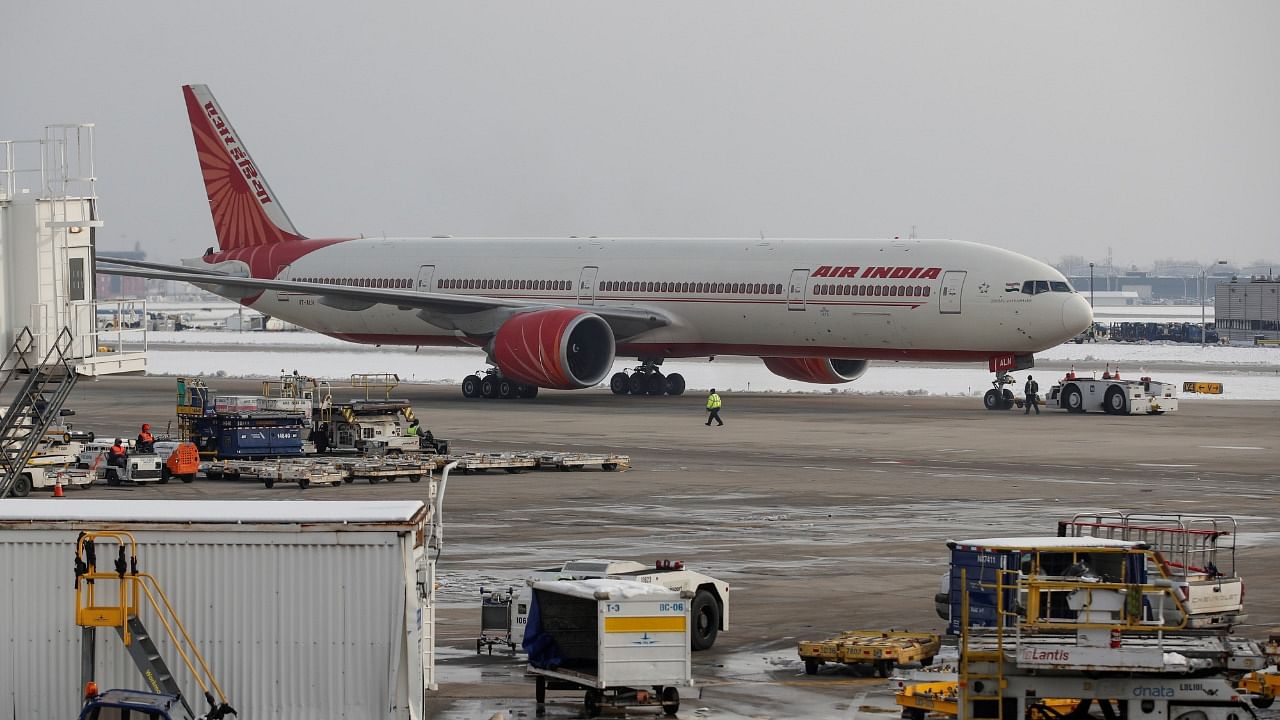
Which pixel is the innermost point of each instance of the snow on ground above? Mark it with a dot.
(258, 354)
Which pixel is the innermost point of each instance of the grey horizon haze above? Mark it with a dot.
(1051, 129)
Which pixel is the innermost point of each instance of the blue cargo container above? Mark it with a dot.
(981, 562)
(247, 436)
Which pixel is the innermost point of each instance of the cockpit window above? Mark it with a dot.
(1042, 286)
(1059, 286)
(1029, 287)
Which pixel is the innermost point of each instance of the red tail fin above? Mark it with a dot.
(246, 213)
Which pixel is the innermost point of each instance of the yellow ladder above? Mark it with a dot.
(117, 607)
(981, 671)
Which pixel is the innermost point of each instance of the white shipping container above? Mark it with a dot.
(285, 404)
(303, 609)
(237, 403)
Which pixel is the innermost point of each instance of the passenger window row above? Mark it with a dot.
(497, 284)
(697, 288)
(873, 290)
(361, 282)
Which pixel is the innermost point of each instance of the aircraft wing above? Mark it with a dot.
(472, 314)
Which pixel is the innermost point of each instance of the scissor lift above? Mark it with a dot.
(118, 608)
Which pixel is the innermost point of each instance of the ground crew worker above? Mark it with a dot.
(1032, 390)
(413, 428)
(320, 436)
(117, 454)
(146, 442)
(713, 408)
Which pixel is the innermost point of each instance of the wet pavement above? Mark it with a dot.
(823, 513)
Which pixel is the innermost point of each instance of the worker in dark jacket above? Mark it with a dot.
(1032, 390)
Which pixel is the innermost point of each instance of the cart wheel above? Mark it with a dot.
(514, 470)
(1262, 702)
(188, 477)
(591, 703)
(913, 713)
(540, 690)
(304, 483)
(165, 474)
(415, 478)
(269, 482)
(810, 666)
(926, 662)
(348, 479)
(883, 668)
(373, 480)
(670, 700)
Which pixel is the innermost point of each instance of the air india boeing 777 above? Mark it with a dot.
(555, 312)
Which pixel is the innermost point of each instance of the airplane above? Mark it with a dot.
(555, 312)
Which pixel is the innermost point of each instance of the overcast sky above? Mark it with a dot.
(1150, 128)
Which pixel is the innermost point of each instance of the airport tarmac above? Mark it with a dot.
(824, 513)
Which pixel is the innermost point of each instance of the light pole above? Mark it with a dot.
(1203, 289)
(1090, 285)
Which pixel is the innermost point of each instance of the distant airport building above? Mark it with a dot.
(117, 286)
(1163, 289)
(1248, 309)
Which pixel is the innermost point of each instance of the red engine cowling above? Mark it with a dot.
(559, 348)
(825, 371)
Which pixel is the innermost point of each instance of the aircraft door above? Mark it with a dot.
(426, 275)
(587, 285)
(284, 273)
(949, 295)
(796, 289)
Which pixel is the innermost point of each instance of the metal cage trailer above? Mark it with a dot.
(624, 643)
(385, 469)
(879, 650)
(1113, 396)
(303, 472)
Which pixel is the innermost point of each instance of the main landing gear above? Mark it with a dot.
(492, 384)
(647, 380)
(999, 397)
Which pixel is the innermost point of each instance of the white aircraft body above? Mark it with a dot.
(554, 312)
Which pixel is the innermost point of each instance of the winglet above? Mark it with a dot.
(246, 213)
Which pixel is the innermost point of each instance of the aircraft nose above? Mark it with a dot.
(1077, 316)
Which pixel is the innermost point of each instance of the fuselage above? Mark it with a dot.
(940, 300)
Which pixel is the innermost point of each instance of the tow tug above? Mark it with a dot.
(1112, 395)
(127, 704)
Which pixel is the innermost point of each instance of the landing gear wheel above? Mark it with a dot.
(1072, 400)
(620, 384)
(530, 392)
(657, 384)
(810, 666)
(489, 388)
(506, 389)
(591, 703)
(706, 621)
(675, 384)
(992, 400)
(22, 486)
(637, 384)
(1008, 398)
(1115, 402)
(670, 701)
(471, 386)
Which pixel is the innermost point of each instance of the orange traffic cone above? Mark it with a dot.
(57, 488)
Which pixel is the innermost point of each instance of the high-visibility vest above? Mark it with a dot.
(413, 430)
(117, 450)
(146, 437)
(713, 401)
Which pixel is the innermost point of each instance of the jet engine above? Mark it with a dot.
(825, 371)
(558, 348)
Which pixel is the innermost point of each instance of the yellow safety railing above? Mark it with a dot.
(131, 586)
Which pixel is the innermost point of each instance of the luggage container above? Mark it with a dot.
(625, 643)
(303, 609)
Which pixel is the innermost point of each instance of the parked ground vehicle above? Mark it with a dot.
(132, 704)
(709, 609)
(181, 460)
(139, 467)
(879, 650)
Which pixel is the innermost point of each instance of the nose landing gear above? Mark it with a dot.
(999, 397)
(646, 379)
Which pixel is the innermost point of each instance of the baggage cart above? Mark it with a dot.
(623, 643)
(879, 650)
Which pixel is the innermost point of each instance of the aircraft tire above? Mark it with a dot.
(620, 384)
(675, 384)
(636, 384)
(657, 384)
(530, 392)
(471, 386)
(992, 400)
(506, 389)
(489, 388)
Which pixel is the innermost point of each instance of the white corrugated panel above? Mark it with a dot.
(295, 622)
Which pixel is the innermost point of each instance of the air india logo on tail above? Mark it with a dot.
(877, 272)
(238, 154)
